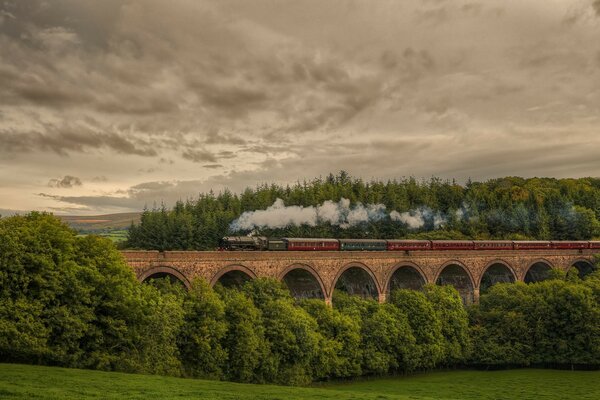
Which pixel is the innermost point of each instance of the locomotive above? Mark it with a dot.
(262, 243)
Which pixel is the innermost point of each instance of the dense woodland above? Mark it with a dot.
(72, 301)
(505, 208)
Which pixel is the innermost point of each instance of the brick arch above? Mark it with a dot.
(402, 264)
(532, 263)
(355, 264)
(165, 269)
(460, 264)
(580, 260)
(502, 262)
(229, 268)
(307, 268)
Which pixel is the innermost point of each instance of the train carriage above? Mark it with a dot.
(307, 244)
(408, 245)
(452, 245)
(493, 245)
(531, 245)
(362, 245)
(575, 245)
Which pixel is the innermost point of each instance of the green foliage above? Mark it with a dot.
(553, 323)
(204, 328)
(245, 339)
(426, 326)
(505, 208)
(453, 316)
(73, 301)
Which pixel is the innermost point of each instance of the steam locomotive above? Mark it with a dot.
(262, 243)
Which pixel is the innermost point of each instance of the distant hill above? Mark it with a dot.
(98, 223)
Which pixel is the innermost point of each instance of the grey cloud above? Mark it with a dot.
(67, 181)
(199, 156)
(61, 141)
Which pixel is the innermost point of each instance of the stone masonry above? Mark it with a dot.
(328, 266)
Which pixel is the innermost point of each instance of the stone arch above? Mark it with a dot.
(455, 273)
(355, 283)
(497, 271)
(537, 271)
(583, 266)
(303, 282)
(405, 275)
(165, 271)
(235, 275)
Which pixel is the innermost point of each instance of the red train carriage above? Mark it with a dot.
(594, 245)
(303, 244)
(452, 245)
(408, 245)
(493, 245)
(531, 245)
(571, 245)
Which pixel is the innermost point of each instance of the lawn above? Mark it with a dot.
(27, 382)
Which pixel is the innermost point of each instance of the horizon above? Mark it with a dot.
(110, 106)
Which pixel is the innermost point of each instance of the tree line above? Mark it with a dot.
(72, 301)
(505, 208)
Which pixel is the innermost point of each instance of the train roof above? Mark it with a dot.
(309, 239)
(363, 240)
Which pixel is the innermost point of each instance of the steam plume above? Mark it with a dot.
(339, 214)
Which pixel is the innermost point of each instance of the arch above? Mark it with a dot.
(455, 273)
(303, 282)
(234, 275)
(583, 266)
(165, 271)
(405, 275)
(354, 284)
(497, 271)
(538, 270)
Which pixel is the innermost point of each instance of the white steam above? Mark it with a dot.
(416, 218)
(339, 214)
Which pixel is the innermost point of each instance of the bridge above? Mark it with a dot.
(317, 274)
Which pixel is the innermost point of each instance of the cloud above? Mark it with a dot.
(199, 156)
(67, 182)
(262, 91)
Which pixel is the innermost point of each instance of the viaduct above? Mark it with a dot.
(314, 274)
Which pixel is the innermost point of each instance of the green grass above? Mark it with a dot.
(31, 382)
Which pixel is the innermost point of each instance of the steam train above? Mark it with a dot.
(262, 243)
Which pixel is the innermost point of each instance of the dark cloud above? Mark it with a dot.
(67, 182)
(70, 138)
(596, 5)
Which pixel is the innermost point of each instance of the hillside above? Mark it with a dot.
(95, 223)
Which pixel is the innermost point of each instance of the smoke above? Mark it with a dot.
(416, 219)
(339, 214)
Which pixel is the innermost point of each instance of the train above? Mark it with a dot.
(262, 243)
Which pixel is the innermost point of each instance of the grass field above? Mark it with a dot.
(28, 382)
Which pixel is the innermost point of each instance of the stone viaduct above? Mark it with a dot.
(367, 273)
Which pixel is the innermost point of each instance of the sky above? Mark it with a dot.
(108, 106)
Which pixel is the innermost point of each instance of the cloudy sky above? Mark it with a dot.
(109, 105)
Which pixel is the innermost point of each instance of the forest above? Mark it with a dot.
(67, 300)
(505, 208)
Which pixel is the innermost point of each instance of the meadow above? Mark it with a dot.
(35, 382)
